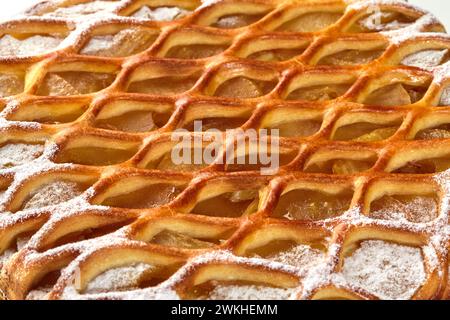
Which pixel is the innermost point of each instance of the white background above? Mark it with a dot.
(440, 8)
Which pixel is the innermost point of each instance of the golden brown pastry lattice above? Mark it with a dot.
(93, 207)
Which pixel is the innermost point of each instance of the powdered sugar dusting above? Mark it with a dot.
(84, 9)
(160, 13)
(125, 277)
(386, 270)
(300, 256)
(35, 45)
(248, 292)
(53, 194)
(6, 255)
(12, 155)
(389, 271)
(39, 294)
(415, 209)
(445, 97)
(124, 43)
(425, 59)
(413, 31)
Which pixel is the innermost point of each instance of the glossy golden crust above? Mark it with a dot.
(321, 79)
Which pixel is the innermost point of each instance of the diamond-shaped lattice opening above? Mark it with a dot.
(319, 92)
(135, 121)
(351, 57)
(96, 155)
(49, 112)
(244, 88)
(11, 84)
(29, 44)
(130, 277)
(396, 95)
(79, 9)
(123, 43)
(217, 123)
(313, 205)
(310, 22)
(366, 131)
(234, 21)
(54, 193)
(230, 204)
(150, 196)
(70, 83)
(213, 284)
(166, 86)
(438, 132)
(383, 20)
(344, 164)
(414, 208)
(16, 153)
(161, 13)
(425, 166)
(427, 58)
(379, 267)
(290, 252)
(255, 158)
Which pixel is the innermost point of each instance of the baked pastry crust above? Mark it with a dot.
(358, 90)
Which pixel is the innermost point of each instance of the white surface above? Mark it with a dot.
(441, 8)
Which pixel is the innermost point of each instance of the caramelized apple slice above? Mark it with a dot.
(221, 124)
(364, 132)
(70, 83)
(160, 13)
(351, 57)
(276, 54)
(167, 163)
(319, 93)
(147, 197)
(382, 21)
(135, 121)
(253, 162)
(125, 43)
(377, 135)
(10, 85)
(198, 51)
(231, 205)
(342, 166)
(312, 205)
(164, 86)
(121, 278)
(244, 88)
(441, 132)
(311, 22)
(95, 156)
(395, 95)
(426, 58)
(179, 240)
(236, 21)
(299, 128)
(427, 166)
